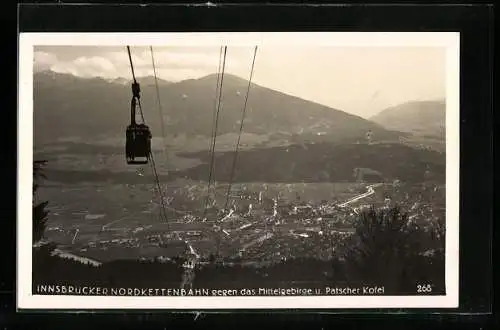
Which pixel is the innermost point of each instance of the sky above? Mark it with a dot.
(358, 80)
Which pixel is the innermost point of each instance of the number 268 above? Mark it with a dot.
(424, 288)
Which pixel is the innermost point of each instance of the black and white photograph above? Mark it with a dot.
(238, 170)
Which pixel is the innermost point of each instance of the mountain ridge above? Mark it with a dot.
(416, 117)
(67, 105)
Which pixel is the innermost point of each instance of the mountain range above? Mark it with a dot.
(67, 106)
(321, 144)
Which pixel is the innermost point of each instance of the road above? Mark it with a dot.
(370, 191)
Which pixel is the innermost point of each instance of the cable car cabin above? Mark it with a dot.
(138, 144)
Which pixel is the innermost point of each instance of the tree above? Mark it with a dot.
(38, 173)
(387, 249)
(39, 212)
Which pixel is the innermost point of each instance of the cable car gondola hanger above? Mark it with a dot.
(138, 138)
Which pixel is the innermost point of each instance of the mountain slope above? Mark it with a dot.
(324, 162)
(319, 162)
(417, 117)
(67, 106)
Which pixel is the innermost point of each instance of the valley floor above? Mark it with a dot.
(309, 228)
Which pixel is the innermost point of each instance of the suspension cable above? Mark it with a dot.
(159, 108)
(233, 168)
(131, 64)
(212, 161)
(212, 136)
(163, 212)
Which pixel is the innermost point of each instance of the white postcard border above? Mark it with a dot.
(27, 41)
